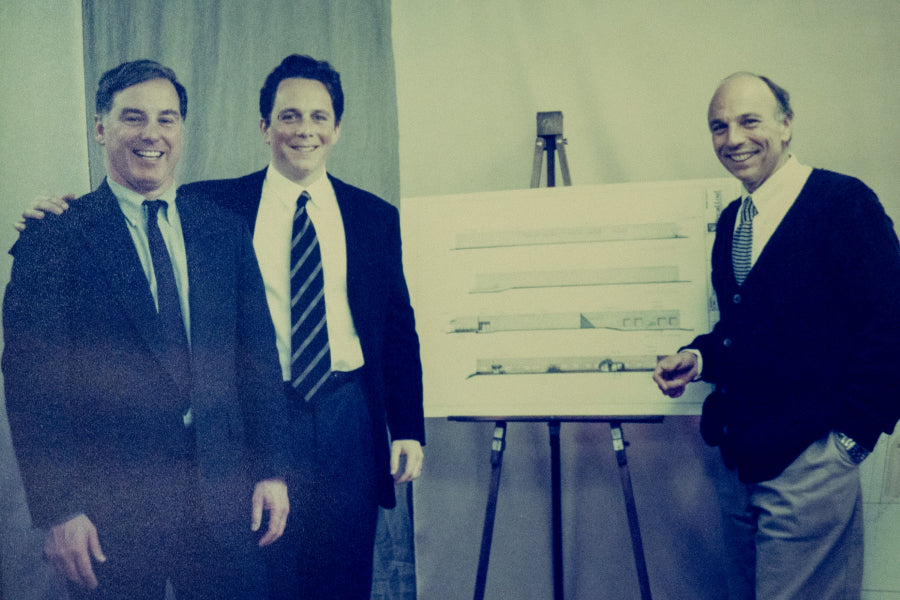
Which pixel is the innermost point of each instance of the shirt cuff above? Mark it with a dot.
(699, 356)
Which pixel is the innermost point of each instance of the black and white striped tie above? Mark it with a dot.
(742, 244)
(310, 355)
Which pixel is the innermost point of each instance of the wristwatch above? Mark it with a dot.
(856, 452)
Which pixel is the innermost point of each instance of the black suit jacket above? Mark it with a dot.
(379, 303)
(95, 414)
(809, 342)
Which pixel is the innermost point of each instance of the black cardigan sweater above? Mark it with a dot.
(809, 342)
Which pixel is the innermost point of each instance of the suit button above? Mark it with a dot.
(727, 342)
(737, 298)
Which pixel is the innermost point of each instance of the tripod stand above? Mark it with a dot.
(550, 140)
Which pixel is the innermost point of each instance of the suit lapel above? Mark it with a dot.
(107, 237)
(254, 192)
(206, 272)
(343, 193)
(250, 195)
(106, 234)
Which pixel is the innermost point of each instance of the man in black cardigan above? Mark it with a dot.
(806, 269)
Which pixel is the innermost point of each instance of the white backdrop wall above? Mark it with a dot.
(41, 120)
(634, 79)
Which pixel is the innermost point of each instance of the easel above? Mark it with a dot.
(498, 445)
(550, 139)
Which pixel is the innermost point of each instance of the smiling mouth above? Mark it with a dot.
(149, 153)
(740, 156)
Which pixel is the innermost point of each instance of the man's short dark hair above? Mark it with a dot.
(781, 95)
(304, 67)
(132, 73)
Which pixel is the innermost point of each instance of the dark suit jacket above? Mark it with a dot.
(810, 341)
(379, 303)
(95, 415)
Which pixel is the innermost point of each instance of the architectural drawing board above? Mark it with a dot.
(558, 301)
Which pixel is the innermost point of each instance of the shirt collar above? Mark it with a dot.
(287, 191)
(786, 182)
(132, 203)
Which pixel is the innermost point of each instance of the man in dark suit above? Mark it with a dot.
(141, 376)
(806, 269)
(368, 377)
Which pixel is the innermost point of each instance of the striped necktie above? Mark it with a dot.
(310, 355)
(742, 244)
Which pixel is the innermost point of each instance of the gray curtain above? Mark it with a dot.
(222, 51)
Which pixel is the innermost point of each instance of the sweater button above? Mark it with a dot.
(737, 298)
(727, 342)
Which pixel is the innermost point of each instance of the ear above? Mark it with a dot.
(264, 130)
(99, 129)
(787, 130)
(337, 134)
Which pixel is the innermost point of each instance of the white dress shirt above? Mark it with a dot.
(772, 201)
(272, 242)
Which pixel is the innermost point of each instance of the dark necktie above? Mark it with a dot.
(168, 305)
(310, 355)
(742, 244)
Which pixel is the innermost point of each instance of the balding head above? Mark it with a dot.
(750, 122)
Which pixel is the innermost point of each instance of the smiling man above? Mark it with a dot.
(806, 269)
(331, 260)
(141, 374)
(330, 257)
(751, 129)
(141, 160)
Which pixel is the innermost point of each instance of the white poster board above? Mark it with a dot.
(558, 301)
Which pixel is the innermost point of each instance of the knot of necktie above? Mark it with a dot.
(301, 203)
(748, 210)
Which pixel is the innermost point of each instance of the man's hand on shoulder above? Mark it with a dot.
(69, 548)
(674, 372)
(42, 206)
(411, 450)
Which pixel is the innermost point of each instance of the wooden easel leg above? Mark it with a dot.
(539, 145)
(637, 544)
(556, 494)
(490, 512)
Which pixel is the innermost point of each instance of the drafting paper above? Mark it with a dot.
(558, 301)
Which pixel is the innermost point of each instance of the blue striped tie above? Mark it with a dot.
(742, 244)
(310, 356)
